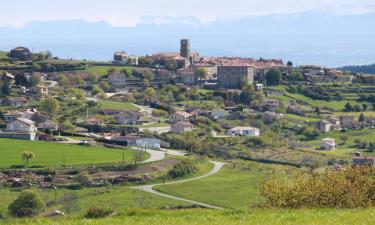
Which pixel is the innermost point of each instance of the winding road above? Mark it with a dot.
(158, 155)
(150, 188)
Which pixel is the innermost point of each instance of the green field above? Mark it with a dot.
(232, 188)
(300, 118)
(119, 198)
(3, 55)
(103, 70)
(53, 154)
(355, 114)
(212, 217)
(336, 105)
(105, 104)
(348, 148)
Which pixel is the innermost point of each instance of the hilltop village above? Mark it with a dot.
(72, 124)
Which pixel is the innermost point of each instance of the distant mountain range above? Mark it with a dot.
(368, 69)
(305, 38)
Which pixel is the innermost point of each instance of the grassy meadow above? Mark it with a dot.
(106, 104)
(53, 154)
(201, 216)
(230, 188)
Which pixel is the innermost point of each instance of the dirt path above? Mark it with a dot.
(150, 188)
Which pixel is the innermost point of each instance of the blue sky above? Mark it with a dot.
(17, 13)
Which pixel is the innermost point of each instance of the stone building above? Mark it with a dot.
(123, 58)
(21, 53)
(235, 75)
(185, 50)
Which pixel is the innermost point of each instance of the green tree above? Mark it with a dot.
(27, 156)
(93, 78)
(29, 203)
(78, 93)
(63, 81)
(201, 73)
(67, 126)
(49, 105)
(348, 107)
(35, 80)
(361, 117)
(149, 94)
(148, 75)
(96, 90)
(105, 86)
(5, 88)
(273, 77)
(344, 138)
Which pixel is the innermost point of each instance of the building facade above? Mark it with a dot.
(235, 76)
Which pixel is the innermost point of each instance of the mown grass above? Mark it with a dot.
(105, 104)
(54, 154)
(211, 217)
(231, 188)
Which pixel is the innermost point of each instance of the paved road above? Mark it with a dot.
(159, 155)
(150, 188)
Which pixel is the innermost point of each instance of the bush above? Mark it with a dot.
(183, 168)
(28, 204)
(95, 212)
(348, 188)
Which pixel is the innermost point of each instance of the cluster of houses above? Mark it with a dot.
(316, 75)
(225, 72)
(25, 124)
(124, 117)
(343, 122)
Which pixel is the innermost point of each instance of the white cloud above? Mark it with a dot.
(129, 13)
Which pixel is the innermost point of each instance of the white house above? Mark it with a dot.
(243, 131)
(328, 144)
(117, 80)
(150, 143)
(259, 87)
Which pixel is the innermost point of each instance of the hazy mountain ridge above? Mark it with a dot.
(306, 38)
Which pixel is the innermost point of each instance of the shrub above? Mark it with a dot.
(95, 212)
(348, 188)
(29, 203)
(183, 168)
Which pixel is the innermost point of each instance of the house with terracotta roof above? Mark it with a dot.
(180, 117)
(359, 160)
